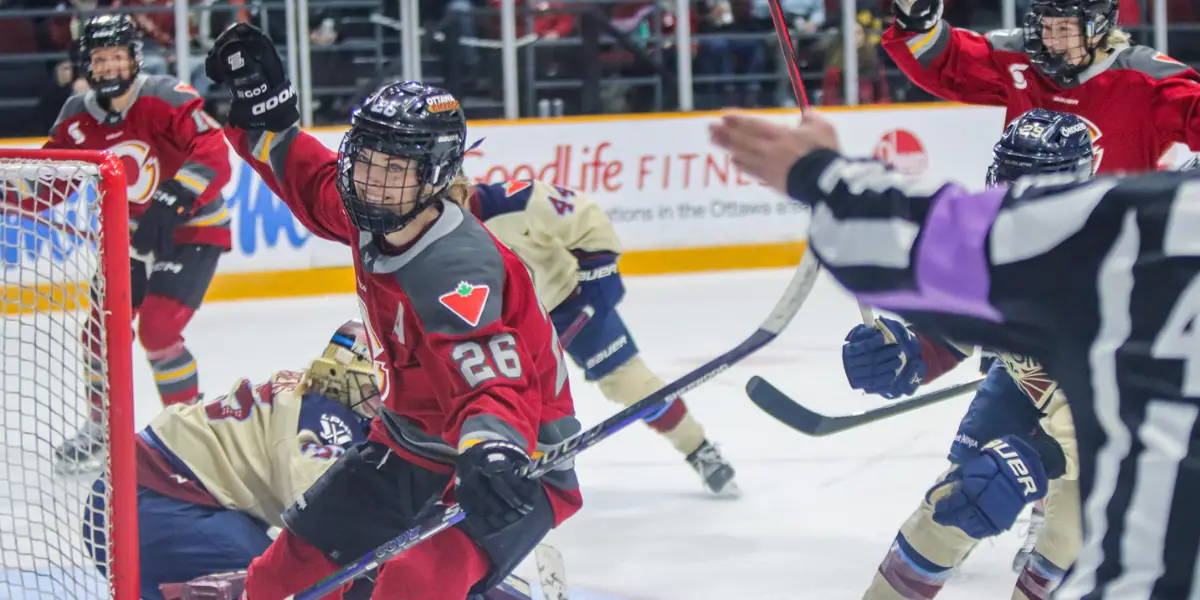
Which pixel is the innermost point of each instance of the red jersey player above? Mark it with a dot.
(471, 374)
(176, 163)
(1069, 57)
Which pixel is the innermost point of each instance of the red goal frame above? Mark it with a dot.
(122, 534)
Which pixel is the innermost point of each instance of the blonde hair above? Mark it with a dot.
(1116, 39)
(459, 191)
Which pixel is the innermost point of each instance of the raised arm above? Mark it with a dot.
(950, 63)
(264, 130)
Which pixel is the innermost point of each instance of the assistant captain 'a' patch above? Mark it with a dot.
(467, 301)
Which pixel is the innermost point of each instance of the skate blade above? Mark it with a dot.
(730, 491)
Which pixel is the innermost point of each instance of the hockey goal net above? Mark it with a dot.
(66, 531)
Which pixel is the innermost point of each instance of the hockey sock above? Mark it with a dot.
(1038, 578)
(175, 374)
(905, 573)
(633, 381)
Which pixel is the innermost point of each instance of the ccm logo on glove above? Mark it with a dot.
(1015, 464)
(283, 96)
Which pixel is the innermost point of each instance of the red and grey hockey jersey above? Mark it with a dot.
(1136, 101)
(163, 134)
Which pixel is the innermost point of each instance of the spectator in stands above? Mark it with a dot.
(61, 30)
(872, 82)
(18, 35)
(65, 83)
(805, 16)
(158, 42)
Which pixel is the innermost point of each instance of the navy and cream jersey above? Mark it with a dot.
(255, 449)
(1100, 280)
(543, 224)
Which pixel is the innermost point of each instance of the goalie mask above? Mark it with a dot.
(1042, 142)
(1062, 36)
(110, 54)
(345, 373)
(404, 147)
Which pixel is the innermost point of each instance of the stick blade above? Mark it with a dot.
(784, 409)
(552, 572)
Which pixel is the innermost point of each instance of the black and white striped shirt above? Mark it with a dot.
(1100, 280)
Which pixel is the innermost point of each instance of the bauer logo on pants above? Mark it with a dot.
(467, 301)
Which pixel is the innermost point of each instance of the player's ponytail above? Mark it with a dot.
(1116, 39)
(459, 191)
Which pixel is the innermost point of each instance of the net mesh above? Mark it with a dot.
(54, 384)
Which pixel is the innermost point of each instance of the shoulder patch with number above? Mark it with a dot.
(467, 301)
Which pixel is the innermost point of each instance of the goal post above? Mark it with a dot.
(67, 361)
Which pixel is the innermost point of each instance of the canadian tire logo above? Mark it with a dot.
(902, 151)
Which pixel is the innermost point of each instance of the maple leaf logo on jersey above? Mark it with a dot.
(467, 301)
(512, 188)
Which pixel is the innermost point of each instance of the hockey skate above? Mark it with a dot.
(716, 472)
(82, 453)
(1036, 519)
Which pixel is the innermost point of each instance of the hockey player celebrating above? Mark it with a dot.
(572, 248)
(890, 359)
(176, 163)
(1100, 280)
(1069, 56)
(213, 476)
(470, 371)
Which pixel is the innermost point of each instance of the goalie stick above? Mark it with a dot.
(797, 291)
(798, 417)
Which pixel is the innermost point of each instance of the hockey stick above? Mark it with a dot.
(789, 53)
(795, 415)
(784, 36)
(576, 326)
(797, 292)
(552, 572)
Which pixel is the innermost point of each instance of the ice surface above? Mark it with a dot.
(816, 515)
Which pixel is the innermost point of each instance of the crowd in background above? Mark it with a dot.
(565, 49)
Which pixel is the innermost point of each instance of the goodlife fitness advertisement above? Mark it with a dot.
(658, 177)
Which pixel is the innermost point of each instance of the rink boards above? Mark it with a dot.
(677, 202)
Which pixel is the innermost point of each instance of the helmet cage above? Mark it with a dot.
(1095, 19)
(433, 151)
(109, 31)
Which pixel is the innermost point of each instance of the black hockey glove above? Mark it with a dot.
(489, 488)
(244, 58)
(170, 207)
(917, 15)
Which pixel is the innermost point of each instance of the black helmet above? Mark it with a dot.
(1040, 142)
(404, 120)
(1095, 18)
(107, 31)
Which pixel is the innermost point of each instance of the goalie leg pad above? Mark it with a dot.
(369, 496)
(999, 408)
